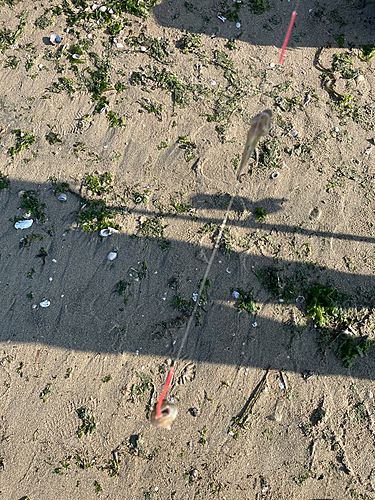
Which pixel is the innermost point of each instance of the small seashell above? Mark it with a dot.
(336, 129)
(94, 6)
(272, 65)
(221, 17)
(55, 39)
(168, 413)
(238, 25)
(294, 133)
(21, 193)
(89, 35)
(235, 294)
(45, 303)
(112, 255)
(119, 45)
(143, 48)
(275, 175)
(23, 224)
(103, 110)
(76, 56)
(359, 79)
(368, 150)
(62, 197)
(212, 82)
(369, 394)
(103, 8)
(108, 231)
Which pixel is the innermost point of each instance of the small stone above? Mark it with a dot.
(359, 79)
(212, 82)
(238, 25)
(112, 256)
(143, 48)
(62, 197)
(45, 303)
(23, 224)
(194, 412)
(294, 133)
(272, 65)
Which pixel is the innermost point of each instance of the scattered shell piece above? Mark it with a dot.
(55, 39)
(62, 197)
(359, 79)
(212, 82)
(275, 175)
(294, 133)
(21, 193)
(76, 56)
(103, 110)
(368, 150)
(23, 224)
(103, 8)
(168, 413)
(300, 299)
(221, 17)
(369, 394)
(272, 65)
(336, 129)
(94, 6)
(235, 294)
(238, 25)
(143, 48)
(108, 231)
(45, 303)
(119, 45)
(112, 255)
(195, 297)
(255, 324)
(89, 35)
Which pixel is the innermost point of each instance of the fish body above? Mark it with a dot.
(259, 126)
(168, 413)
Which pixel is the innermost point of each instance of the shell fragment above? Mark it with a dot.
(23, 224)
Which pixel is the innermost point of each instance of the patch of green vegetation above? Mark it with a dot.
(259, 6)
(4, 181)
(43, 21)
(23, 141)
(348, 350)
(141, 273)
(270, 279)
(97, 487)
(166, 80)
(11, 62)
(343, 63)
(152, 107)
(136, 446)
(260, 214)
(32, 205)
(323, 304)
(203, 432)
(30, 273)
(53, 138)
(162, 145)
(107, 378)
(188, 146)
(367, 52)
(190, 42)
(9, 38)
(245, 301)
(153, 228)
(94, 215)
(231, 44)
(156, 49)
(68, 373)
(121, 287)
(146, 384)
(88, 421)
(115, 121)
(269, 155)
(136, 196)
(209, 227)
(226, 242)
(44, 393)
(302, 478)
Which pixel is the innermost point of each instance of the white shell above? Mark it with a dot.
(62, 197)
(238, 25)
(294, 133)
(143, 48)
(45, 303)
(23, 224)
(103, 8)
(235, 294)
(112, 255)
(54, 39)
(108, 231)
(119, 45)
(76, 56)
(275, 175)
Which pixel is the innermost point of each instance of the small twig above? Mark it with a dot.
(36, 359)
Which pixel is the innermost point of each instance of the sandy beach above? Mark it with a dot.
(132, 121)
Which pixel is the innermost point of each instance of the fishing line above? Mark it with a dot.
(216, 246)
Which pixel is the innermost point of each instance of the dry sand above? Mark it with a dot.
(92, 350)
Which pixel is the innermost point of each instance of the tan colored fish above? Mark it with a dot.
(259, 125)
(168, 413)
